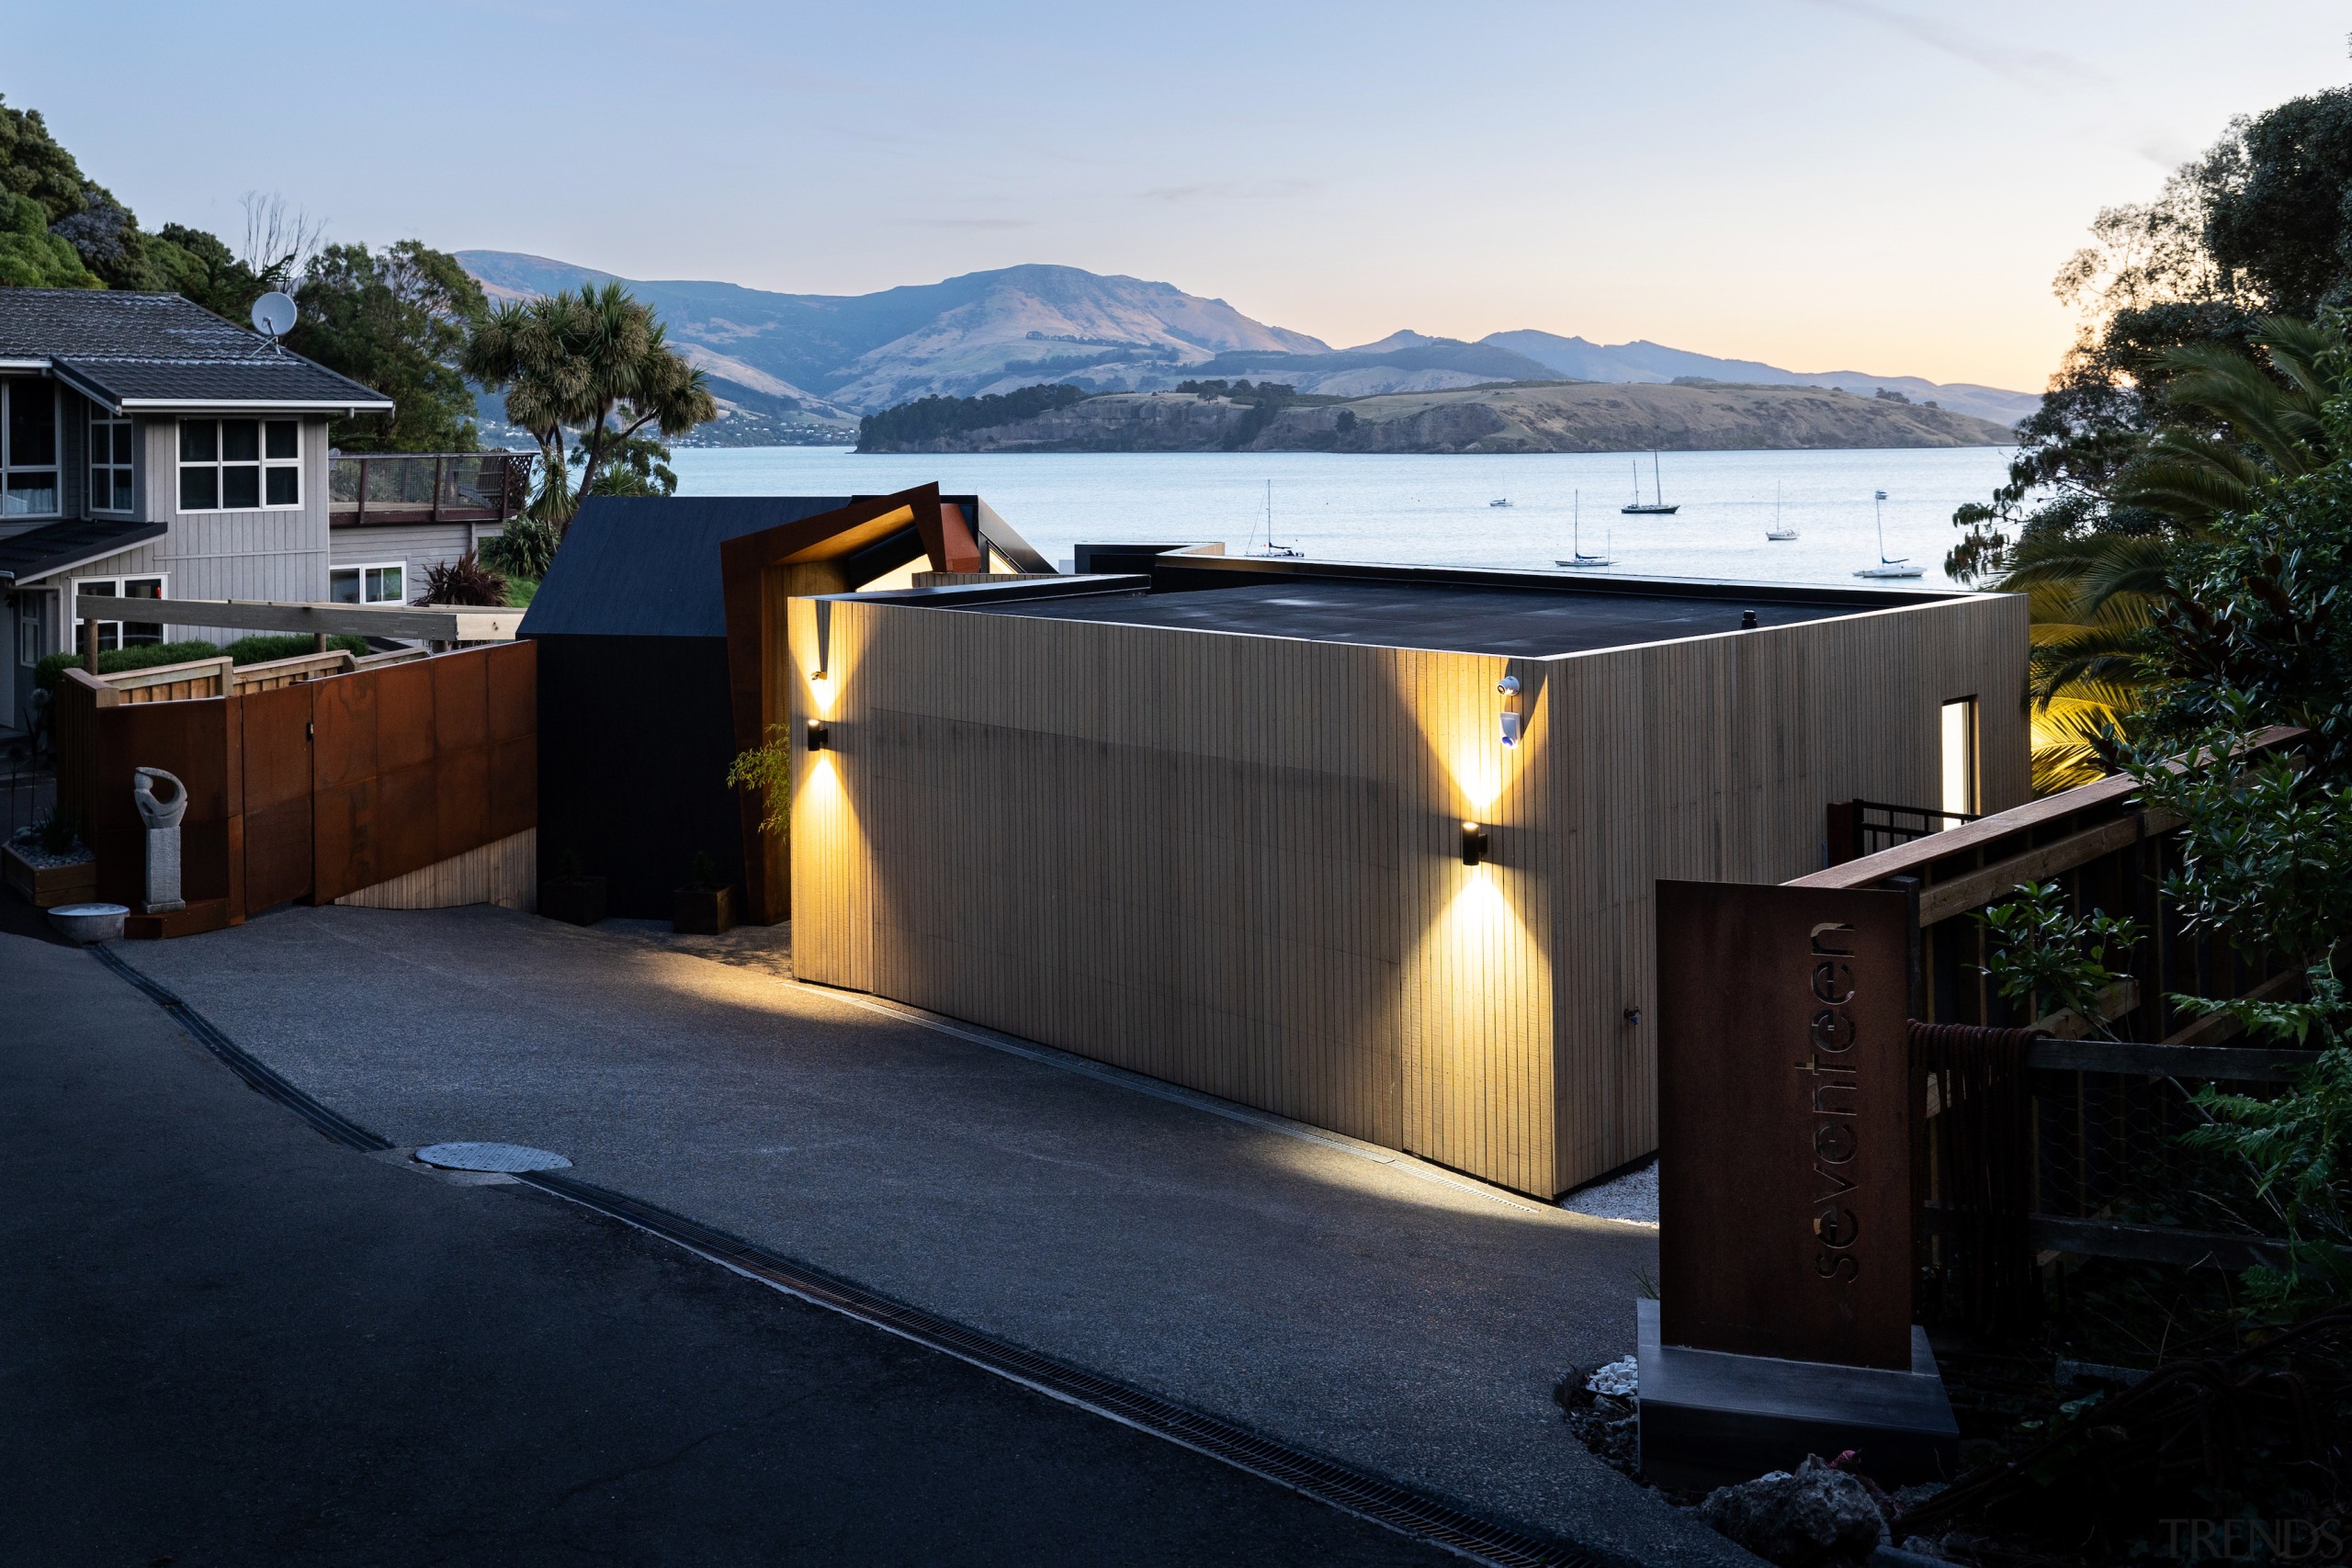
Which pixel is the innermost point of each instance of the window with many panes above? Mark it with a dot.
(27, 449)
(240, 465)
(122, 633)
(385, 584)
(110, 462)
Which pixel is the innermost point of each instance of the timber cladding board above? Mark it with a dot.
(1234, 862)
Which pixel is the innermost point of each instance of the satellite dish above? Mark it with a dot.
(274, 314)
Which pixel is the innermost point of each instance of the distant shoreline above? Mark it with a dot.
(1587, 417)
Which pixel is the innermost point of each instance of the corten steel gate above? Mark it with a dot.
(312, 790)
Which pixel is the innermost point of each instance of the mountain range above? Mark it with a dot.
(826, 359)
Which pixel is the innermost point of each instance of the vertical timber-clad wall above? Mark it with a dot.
(1711, 759)
(1231, 863)
(1234, 862)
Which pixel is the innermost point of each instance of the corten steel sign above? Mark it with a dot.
(1784, 1143)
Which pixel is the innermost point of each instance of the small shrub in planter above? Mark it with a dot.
(572, 896)
(703, 909)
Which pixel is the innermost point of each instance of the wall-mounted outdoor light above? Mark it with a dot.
(817, 736)
(1508, 687)
(1747, 620)
(1474, 843)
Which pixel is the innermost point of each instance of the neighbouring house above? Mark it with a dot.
(150, 450)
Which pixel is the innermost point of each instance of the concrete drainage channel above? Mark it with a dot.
(1341, 1486)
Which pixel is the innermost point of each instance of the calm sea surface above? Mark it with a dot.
(1433, 510)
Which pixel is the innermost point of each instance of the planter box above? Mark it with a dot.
(75, 881)
(704, 911)
(575, 900)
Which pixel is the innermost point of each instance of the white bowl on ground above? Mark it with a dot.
(89, 922)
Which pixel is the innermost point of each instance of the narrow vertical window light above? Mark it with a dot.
(1960, 760)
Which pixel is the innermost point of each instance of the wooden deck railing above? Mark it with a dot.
(2105, 1114)
(428, 487)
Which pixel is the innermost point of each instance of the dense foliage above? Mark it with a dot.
(928, 419)
(2258, 226)
(591, 376)
(396, 319)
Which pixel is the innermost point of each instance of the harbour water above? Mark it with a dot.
(1434, 509)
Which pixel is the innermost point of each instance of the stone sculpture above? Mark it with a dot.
(162, 813)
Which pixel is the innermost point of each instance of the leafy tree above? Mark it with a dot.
(33, 164)
(591, 376)
(32, 258)
(929, 419)
(2257, 624)
(2095, 592)
(397, 321)
(2267, 865)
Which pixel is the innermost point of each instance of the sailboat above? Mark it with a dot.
(1273, 549)
(1778, 530)
(1576, 523)
(1657, 508)
(1888, 566)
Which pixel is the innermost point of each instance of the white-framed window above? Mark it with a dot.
(1959, 766)
(240, 465)
(110, 462)
(29, 469)
(27, 630)
(385, 583)
(124, 633)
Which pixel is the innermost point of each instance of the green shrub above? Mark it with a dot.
(262, 648)
(115, 661)
(146, 656)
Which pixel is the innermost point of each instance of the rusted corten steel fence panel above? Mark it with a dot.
(195, 740)
(310, 791)
(277, 759)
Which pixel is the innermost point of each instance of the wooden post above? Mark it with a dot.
(90, 644)
(319, 642)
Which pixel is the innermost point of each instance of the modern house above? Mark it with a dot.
(651, 665)
(1372, 846)
(150, 450)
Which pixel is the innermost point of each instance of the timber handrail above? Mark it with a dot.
(424, 623)
(1965, 889)
(2239, 1063)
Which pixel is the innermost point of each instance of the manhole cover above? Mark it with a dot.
(508, 1158)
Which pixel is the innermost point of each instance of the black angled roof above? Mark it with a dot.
(648, 566)
(162, 351)
(55, 547)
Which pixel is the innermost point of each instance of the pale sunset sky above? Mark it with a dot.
(1872, 185)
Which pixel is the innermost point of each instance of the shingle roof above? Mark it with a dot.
(36, 552)
(159, 349)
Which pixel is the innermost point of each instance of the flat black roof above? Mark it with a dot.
(1452, 618)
